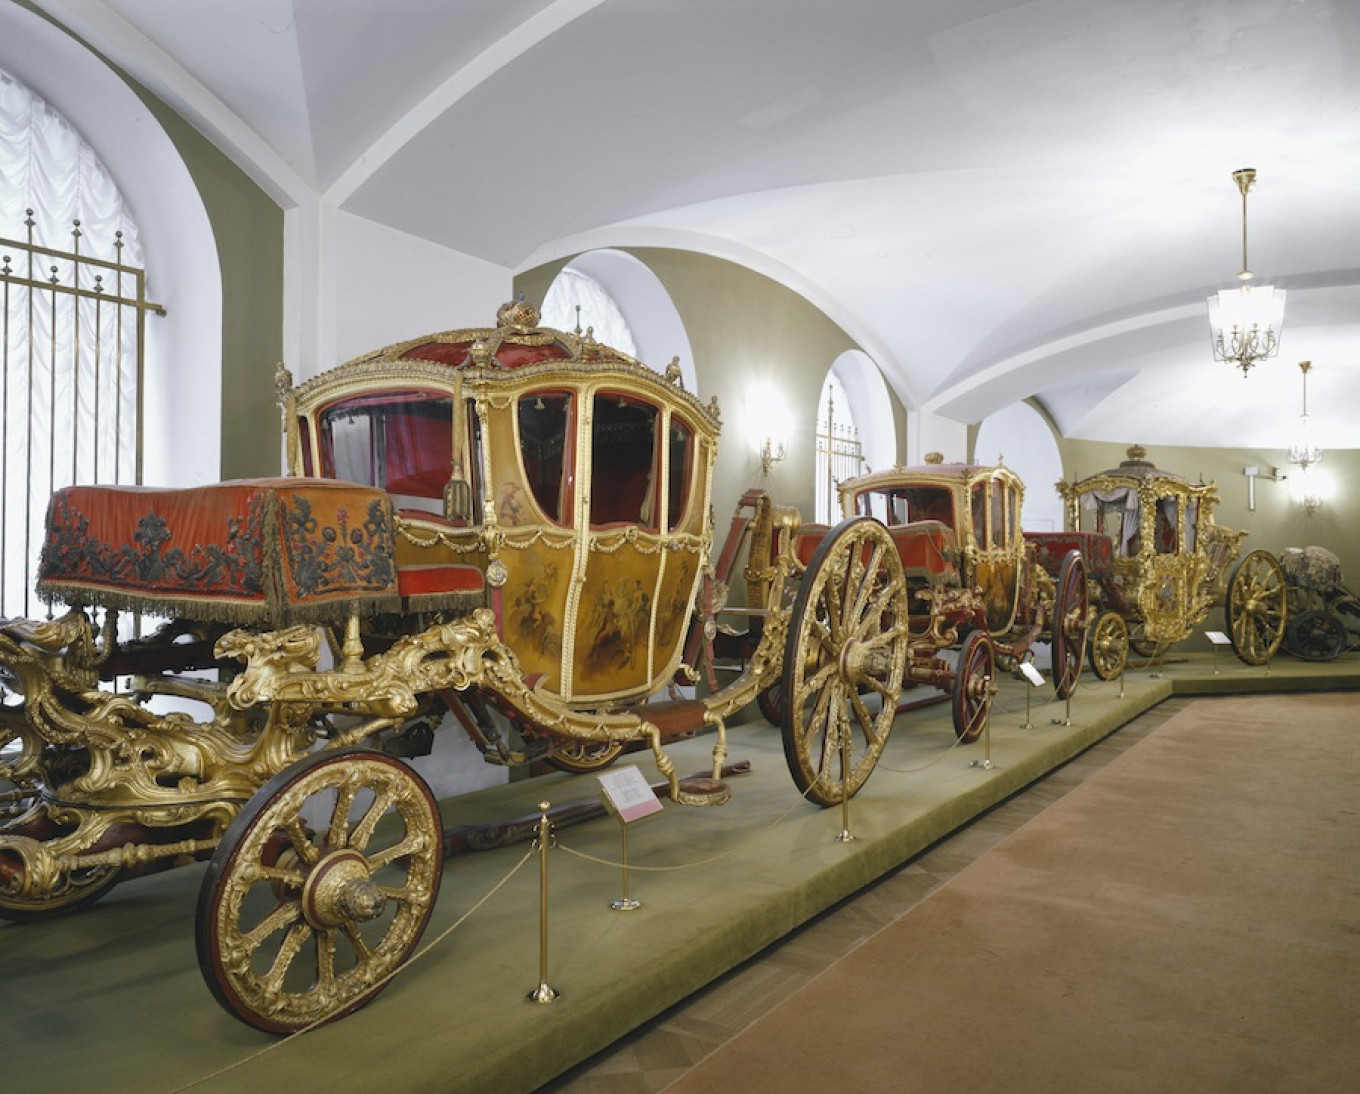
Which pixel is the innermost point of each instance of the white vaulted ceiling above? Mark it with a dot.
(996, 199)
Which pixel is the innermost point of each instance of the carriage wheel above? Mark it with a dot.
(974, 686)
(319, 890)
(582, 757)
(771, 703)
(1069, 624)
(844, 660)
(1257, 607)
(1316, 636)
(1107, 648)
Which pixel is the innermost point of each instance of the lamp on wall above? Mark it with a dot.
(1305, 451)
(1245, 323)
(772, 451)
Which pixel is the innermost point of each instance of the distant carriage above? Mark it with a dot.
(1164, 569)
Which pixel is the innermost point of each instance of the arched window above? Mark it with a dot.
(73, 307)
(839, 455)
(626, 304)
(577, 299)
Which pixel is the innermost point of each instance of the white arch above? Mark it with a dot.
(870, 407)
(647, 307)
(183, 381)
(1020, 437)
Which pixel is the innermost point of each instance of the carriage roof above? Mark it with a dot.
(1140, 474)
(515, 352)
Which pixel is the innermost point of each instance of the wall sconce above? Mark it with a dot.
(771, 453)
(1310, 489)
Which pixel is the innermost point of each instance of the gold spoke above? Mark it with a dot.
(292, 946)
(363, 831)
(413, 844)
(344, 802)
(283, 916)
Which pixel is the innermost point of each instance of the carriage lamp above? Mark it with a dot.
(1245, 322)
(1305, 451)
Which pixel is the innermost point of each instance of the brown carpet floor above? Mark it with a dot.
(1187, 920)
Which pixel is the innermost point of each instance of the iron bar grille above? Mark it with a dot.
(839, 457)
(73, 345)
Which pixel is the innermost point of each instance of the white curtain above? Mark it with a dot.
(599, 312)
(68, 399)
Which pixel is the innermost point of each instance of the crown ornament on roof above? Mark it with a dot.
(518, 314)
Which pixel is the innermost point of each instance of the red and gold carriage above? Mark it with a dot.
(931, 560)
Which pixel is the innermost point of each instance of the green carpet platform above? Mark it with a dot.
(111, 999)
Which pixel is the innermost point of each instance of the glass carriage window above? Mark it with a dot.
(1191, 521)
(399, 441)
(996, 529)
(978, 500)
(681, 472)
(1167, 533)
(623, 461)
(543, 420)
(902, 505)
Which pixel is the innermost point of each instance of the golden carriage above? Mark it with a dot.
(506, 524)
(1164, 569)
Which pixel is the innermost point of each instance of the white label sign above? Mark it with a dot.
(1030, 673)
(1218, 638)
(629, 794)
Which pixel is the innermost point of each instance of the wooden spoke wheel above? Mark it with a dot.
(583, 757)
(1069, 624)
(1107, 647)
(974, 686)
(844, 660)
(1256, 607)
(1316, 635)
(319, 890)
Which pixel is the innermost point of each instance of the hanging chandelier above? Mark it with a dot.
(1245, 322)
(1304, 452)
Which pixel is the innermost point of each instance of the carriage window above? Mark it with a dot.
(543, 419)
(681, 470)
(978, 500)
(902, 505)
(623, 461)
(1013, 513)
(1191, 518)
(401, 442)
(1167, 534)
(997, 528)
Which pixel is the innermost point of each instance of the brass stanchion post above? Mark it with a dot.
(846, 835)
(543, 993)
(625, 903)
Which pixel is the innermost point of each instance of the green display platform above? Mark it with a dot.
(111, 999)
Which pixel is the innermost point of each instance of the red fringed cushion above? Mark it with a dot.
(259, 551)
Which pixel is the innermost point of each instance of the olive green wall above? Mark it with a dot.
(248, 227)
(1278, 521)
(748, 333)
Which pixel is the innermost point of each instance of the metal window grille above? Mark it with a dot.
(72, 350)
(839, 457)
